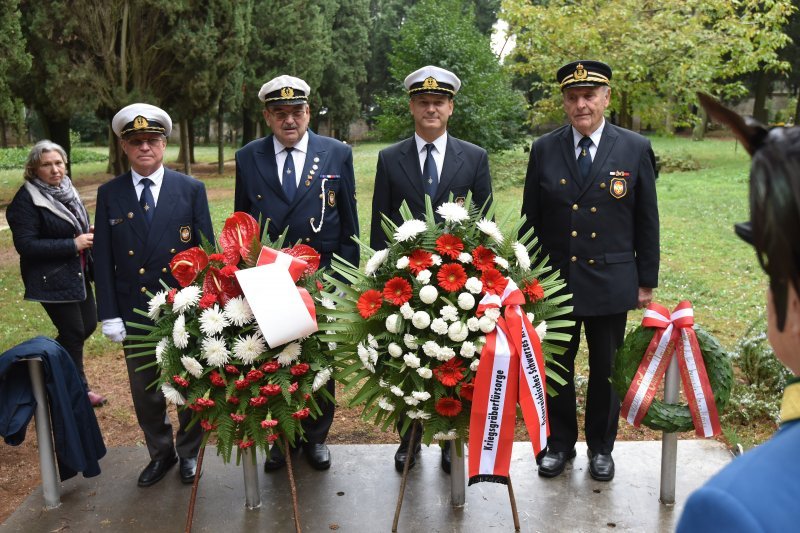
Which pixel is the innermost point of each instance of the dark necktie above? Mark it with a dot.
(430, 175)
(147, 201)
(289, 183)
(584, 158)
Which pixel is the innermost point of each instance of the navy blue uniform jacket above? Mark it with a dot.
(602, 234)
(129, 260)
(398, 177)
(259, 192)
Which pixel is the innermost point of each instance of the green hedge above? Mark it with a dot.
(14, 158)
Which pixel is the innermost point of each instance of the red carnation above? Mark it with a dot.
(273, 437)
(255, 375)
(238, 418)
(186, 265)
(233, 400)
(181, 382)
(171, 295)
(449, 407)
(419, 260)
(369, 303)
(207, 426)
(242, 384)
(230, 369)
(449, 246)
(299, 369)
(482, 258)
(301, 414)
(207, 300)
(244, 444)
(258, 401)
(269, 423)
(451, 277)
(533, 290)
(293, 387)
(467, 391)
(493, 281)
(205, 402)
(270, 390)
(449, 373)
(397, 291)
(216, 379)
(270, 366)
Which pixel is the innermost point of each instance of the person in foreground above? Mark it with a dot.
(590, 196)
(303, 183)
(759, 490)
(144, 217)
(53, 237)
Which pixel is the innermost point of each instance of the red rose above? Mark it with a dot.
(258, 401)
(449, 246)
(238, 418)
(238, 237)
(181, 382)
(254, 375)
(270, 390)
(482, 258)
(467, 391)
(301, 414)
(369, 303)
(493, 282)
(299, 369)
(216, 379)
(397, 291)
(448, 407)
(449, 373)
(419, 260)
(186, 265)
(451, 277)
(269, 423)
(270, 366)
(533, 290)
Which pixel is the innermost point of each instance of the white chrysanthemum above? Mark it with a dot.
(322, 377)
(364, 355)
(172, 395)
(531, 317)
(521, 254)
(385, 404)
(449, 313)
(430, 348)
(393, 323)
(465, 258)
(395, 350)
(410, 400)
(501, 262)
(212, 321)
(215, 352)
(327, 303)
(486, 324)
(439, 326)
(161, 347)
(402, 263)
(466, 301)
(541, 330)
(424, 276)
(452, 213)
(421, 320)
(410, 341)
(155, 303)
(474, 285)
(409, 229)
(422, 396)
(186, 298)
(374, 262)
(180, 337)
(467, 350)
(493, 313)
(192, 366)
(238, 311)
(474, 365)
(490, 228)
(407, 311)
(436, 259)
(420, 414)
(411, 360)
(473, 324)
(289, 354)
(249, 347)
(445, 353)
(428, 294)
(397, 391)
(450, 435)
(425, 372)
(457, 331)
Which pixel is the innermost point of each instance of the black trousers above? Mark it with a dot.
(75, 322)
(316, 430)
(604, 334)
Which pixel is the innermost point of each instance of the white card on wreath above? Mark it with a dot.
(276, 304)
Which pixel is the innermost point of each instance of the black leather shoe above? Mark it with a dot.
(601, 466)
(155, 470)
(275, 461)
(553, 463)
(188, 469)
(318, 455)
(401, 454)
(446, 457)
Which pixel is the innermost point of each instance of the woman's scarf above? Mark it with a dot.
(65, 199)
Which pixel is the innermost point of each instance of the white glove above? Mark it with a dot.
(114, 329)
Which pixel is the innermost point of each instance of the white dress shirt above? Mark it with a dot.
(298, 156)
(439, 147)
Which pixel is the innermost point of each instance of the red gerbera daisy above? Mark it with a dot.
(449, 373)
(451, 277)
(493, 281)
(419, 260)
(467, 390)
(534, 291)
(369, 303)
(449, 407)
(449, 246)
(397, 291)
(482, 258)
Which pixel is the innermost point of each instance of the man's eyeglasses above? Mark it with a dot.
(154, 141)
(283, 115)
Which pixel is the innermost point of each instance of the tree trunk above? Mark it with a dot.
(797, 109)
(220, 137)
(117, 160)
(699, 131)
(3, 138)
(190, 129)
(248, 127)
(625, 118)
(57, 130)
(669, 121)
(185, 149)
(761, 92)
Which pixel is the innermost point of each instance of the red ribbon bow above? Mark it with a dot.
(296, 268)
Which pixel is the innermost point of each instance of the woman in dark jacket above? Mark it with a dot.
(53, 237)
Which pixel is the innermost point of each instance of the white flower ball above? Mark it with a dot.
(410, 400)
(439, 326)
(474, 285)
(449, 313)
(421, 320)
(425, 372)
(445, 353)
(436, 258)
(486, 324)
(428, 294)
(457, 331)
(395, 350)
(466, 301)
(393, 323)
(422, 396)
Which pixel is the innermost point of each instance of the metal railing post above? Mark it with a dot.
(669, 441)
(44, 436)
(252, 496)
(457, 474)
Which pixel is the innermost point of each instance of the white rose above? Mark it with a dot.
(425, 372)
(421, 320)
(473, 324)
(457, 331)
(486, 324)
(439, 326)
(402, 263)
(395, 350)
(467, 350)
(428, 294)
(466, 301)
(406, 311)
(411, 360)
(424, 276)
(474, 285)
(393, 323)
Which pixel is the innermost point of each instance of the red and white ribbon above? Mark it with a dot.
(511, 371)
(674, 336)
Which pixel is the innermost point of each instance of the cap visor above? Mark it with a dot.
(287, 102)
(745, 231)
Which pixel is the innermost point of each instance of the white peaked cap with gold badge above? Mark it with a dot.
(430, 79)
(284, 90)
(141, 118)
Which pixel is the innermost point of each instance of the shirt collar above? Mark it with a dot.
(440, 143)
(790, 406)
(156, 177)
(301, 146)
(595, 136)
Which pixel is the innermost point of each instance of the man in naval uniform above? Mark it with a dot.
(301, 182)
(590, 196)
(144, 217)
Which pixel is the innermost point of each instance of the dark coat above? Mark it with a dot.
(48, 259)
(259, 192)
(76, 436)
(129, 259)
(398, 178)
(602, 234)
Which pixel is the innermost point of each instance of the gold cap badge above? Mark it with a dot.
(430, 83)
(580, 72)
(140, 122)
(287, 92)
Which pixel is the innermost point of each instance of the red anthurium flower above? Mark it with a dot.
(467, 391)
(449, 373)
(186, 265)
(217, 257)
(183, 382)
(534, 291)
(449, 246)
(397, 291)
(238, 418)
(482, 258)
(369, 303)
(255, 375)
(451, 277)
(299, 369)
(222, 283)
(269, 423)
(307, 254)
(270, 366)
(419, 260)
(258, 401)
(449, 407)
(270, 390)
(237, 237)
(493, 281)
(301, 414)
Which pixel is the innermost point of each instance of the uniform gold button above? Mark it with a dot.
(164, 270)
(593, 210)
(591, 261)
(130, 215)
(144, 289)
(308, 239)
(130, 252)
(574, 258)
(258, 197)
(594, 235)
(574, 233)
(574, 207)
(172, 251)
(603, 185)
(563, 181)
(80, 274)
(320, 196)
(141, 271)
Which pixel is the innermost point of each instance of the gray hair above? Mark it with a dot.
(35, 157)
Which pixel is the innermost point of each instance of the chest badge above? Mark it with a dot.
(332, 198)
(619, 187)
(185, 233)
